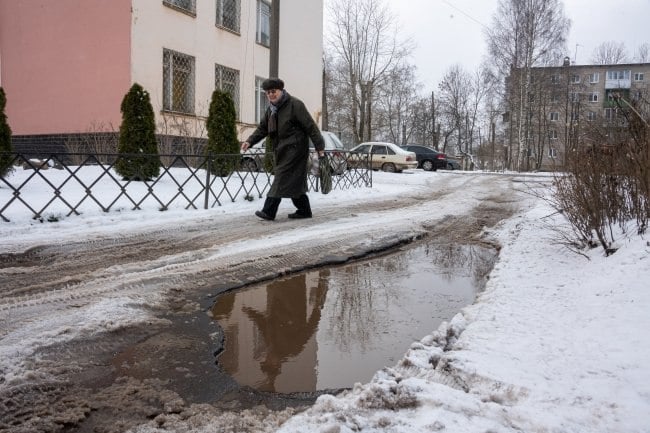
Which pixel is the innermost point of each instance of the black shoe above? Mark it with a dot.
(297, 215)
(263, 215)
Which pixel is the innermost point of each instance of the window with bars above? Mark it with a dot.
(261, 102)
(178, 82)
(263, 23)
(227, 80)
(188, 6)
(228, 14)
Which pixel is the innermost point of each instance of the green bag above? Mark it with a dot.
(325, 175)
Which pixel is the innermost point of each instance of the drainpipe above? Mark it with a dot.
(275, 39)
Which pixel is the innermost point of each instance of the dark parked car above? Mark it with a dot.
(452, 164)
(428, 158)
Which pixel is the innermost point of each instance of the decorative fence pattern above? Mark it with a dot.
(70, 184)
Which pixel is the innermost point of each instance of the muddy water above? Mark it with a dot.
(329, 328)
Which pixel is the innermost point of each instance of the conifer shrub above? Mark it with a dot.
(5, 137)
(223, 144)
(138, 150)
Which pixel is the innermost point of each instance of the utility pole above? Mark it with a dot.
(275, 39)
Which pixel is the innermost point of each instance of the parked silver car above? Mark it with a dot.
(384, 156)
(335, 151)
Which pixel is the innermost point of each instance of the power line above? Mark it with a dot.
(465, 13)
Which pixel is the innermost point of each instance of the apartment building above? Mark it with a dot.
(65, 65)
(560, 108)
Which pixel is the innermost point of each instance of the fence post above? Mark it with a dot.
(207, 180)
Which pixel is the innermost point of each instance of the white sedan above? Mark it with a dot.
(384, 156)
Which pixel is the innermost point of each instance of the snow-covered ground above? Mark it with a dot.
(557, 342)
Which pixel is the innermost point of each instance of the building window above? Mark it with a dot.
(593, 97)
(227, 80)
(594, 77)
(263, 23)
(555, 98)
(591, 116)
(554, 116)
(555, 79)
(610, 113)
(552, 152)
(575, 115)
(228, 14)
(186, 6)
(261, 102)
(623, 74)
(178, 82)
(574, 97)
(638, 76)
(637, 95)
(575, 79)
(552, 134)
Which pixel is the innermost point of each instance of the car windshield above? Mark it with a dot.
(332, 142)
(335, 141)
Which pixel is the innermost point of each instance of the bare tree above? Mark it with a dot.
(524, 34)
(397, 101)
(462, 95)
(643, 53)
(364, 49)
(455, 90)
(610, 53)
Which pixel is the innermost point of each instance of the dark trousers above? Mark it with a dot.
(301, 203)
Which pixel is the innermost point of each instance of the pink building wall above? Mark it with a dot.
(78, 68)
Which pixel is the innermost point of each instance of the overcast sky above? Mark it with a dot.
(448, 32)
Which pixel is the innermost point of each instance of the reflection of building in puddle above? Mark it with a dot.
(270, 333)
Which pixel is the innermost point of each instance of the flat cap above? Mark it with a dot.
(273, 83)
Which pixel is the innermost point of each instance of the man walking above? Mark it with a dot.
(289, 126)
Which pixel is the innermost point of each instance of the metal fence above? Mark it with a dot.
(73, 183)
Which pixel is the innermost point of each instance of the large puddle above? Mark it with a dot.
(329, 328)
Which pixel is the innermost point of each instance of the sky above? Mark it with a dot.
(449, 32)
(556, 342)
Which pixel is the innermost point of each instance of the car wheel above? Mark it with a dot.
(389, 167)
(427, 165)
(450, 166)
(248, 165)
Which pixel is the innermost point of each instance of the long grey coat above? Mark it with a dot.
(290, 147)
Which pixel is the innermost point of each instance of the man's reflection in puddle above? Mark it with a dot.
(273, 328)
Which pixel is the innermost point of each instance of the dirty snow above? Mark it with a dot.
(557, 342)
